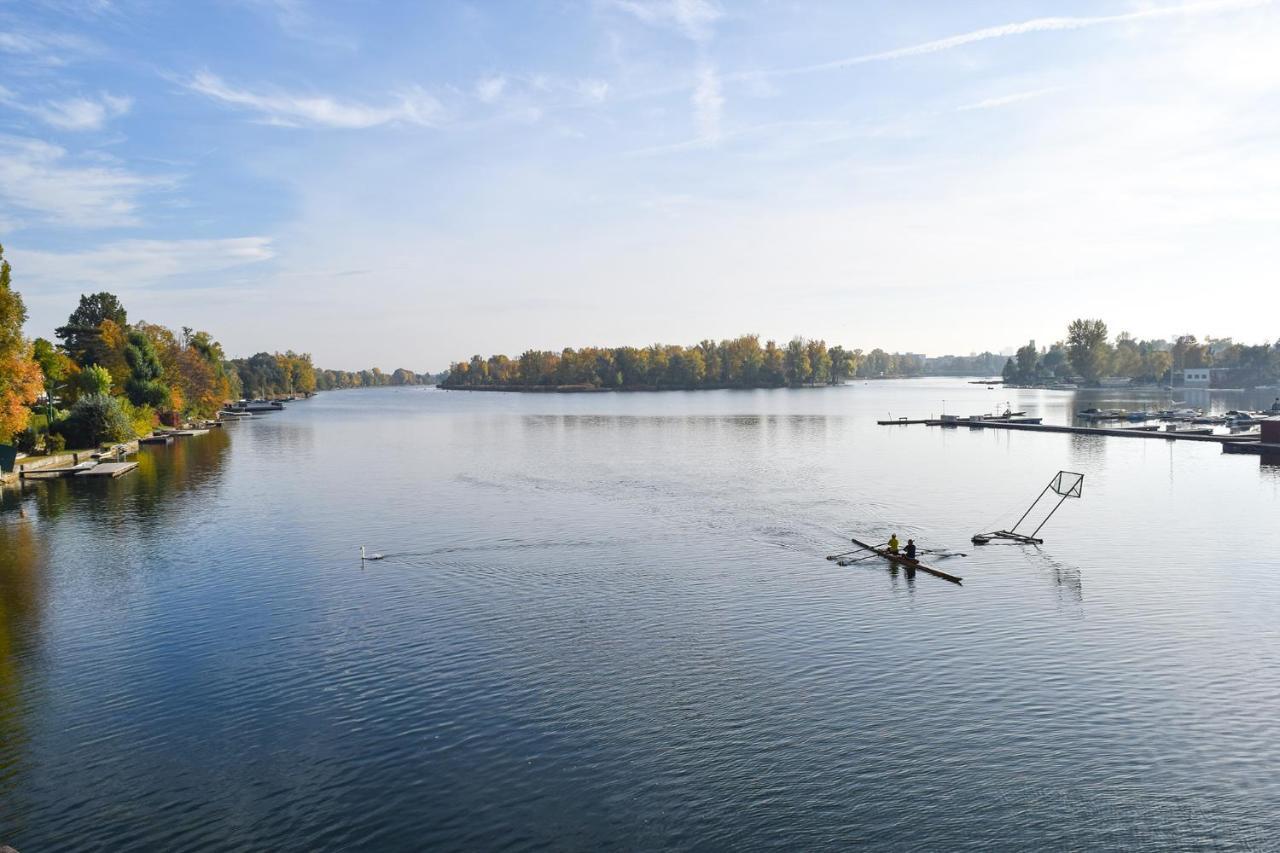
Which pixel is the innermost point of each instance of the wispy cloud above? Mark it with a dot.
(42, 178)
(693, 18)
(46, 48)
(1005, 100)
(1034, 25)
(141, 262)
(412, 106)
(489, 89)
(708, 104)
(82, 113)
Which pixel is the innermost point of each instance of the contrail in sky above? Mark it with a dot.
(1035, 25)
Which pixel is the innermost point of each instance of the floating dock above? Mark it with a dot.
(108, 469)
(156, 439)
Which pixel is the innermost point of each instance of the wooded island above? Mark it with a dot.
(738, 363)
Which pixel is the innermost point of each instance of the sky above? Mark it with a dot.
(405, 184)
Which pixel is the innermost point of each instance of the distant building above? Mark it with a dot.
(1197, 376)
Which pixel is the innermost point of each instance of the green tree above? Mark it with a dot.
(144, 386)
(95, 379)
(1087, 348)
(82, 335)
(819, 362)
(798, 366)
(1027, 363)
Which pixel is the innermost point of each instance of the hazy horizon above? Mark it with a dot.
(410, 185)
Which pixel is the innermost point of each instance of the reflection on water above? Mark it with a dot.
(607, 621)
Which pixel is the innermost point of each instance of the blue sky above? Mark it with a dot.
(408, 183)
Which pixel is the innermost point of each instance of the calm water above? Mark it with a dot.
(605, 622)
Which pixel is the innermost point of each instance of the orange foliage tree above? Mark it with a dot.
(20, 378)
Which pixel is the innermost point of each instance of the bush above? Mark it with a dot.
(94, 419)
(55, 443)
(142, 419)
(25, 441)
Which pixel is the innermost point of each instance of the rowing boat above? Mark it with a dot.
(899, 559)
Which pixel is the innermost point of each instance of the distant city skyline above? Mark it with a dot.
(407, 184)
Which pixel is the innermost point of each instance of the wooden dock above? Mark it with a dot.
(156, 439)
(109, 469)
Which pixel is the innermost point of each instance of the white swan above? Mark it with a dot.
(365, 556)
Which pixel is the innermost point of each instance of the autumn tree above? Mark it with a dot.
(20, 377)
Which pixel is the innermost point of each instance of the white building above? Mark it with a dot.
(1196, 376)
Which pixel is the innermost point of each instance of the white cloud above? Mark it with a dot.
(141, 262)
(490, 89)
(1035, 25)
(413, 106)
(40, 177)
(692, 18)
(593, 90)
(82, 113)
(708, 104)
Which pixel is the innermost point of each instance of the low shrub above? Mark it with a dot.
(94, 419)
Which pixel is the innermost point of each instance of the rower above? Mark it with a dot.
(911, 549)
(893, 544)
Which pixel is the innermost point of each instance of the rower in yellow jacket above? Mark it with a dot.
(893, 544)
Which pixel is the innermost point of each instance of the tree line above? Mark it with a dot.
(107, 379)
(738, 363)
(1088, 354)
(329, 380)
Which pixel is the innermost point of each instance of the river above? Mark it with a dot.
(605, 621)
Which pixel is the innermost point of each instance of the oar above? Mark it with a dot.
(858, 560)
(845, 554)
